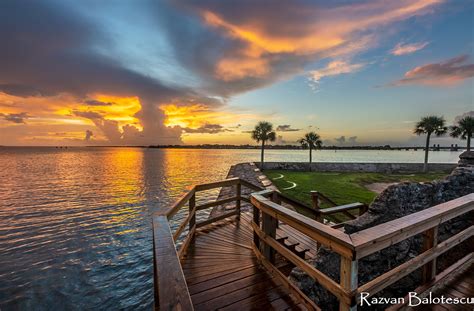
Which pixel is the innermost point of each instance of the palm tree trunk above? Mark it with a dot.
(427, 149)
(469, 142)
(310, 157)
(261, 155)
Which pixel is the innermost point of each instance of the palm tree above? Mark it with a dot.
(464, 129)
(430, 125)
(263, 131)
(311, 140)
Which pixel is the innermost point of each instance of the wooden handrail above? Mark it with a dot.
(171, 290)
(334, 239)
(363, 243)
(376, 238)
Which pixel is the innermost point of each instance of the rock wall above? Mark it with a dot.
(359, 167)
(396, 201)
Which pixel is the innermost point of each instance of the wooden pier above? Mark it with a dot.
(241, 259)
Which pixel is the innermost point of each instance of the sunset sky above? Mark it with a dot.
(192, 72)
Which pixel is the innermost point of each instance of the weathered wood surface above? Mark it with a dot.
(223, 272)
(172, 290)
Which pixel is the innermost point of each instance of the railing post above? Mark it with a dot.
(430, 240)
(256, 220)
(192, 205)
(238, 203)
(269, 225)
(349, 281)
(315, 203)
(276, 198)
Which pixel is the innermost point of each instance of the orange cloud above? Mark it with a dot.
(193, 116)
(268, 40)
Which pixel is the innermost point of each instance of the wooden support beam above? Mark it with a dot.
(430, 240)
(192, 212)
(269, 225)
(349, 282)
(256, 223)
(238, 195)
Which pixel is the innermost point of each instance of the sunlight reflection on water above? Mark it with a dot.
(75, 225)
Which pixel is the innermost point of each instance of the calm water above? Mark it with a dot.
(75, 226)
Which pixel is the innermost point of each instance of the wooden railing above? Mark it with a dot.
(351, 248)
(171, 291)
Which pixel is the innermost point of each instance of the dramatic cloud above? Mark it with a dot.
(89, 135)
(208, 129)
(253, 46)
(15, 117)
(402, 49)
(286, 128)
(449, 72)
(48, 52)
(332, 69)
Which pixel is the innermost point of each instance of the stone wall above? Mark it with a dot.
(359, 167)
(395, 202)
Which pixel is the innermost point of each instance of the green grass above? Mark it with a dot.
(342, 188)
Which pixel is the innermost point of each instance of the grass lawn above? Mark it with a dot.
(342, 188)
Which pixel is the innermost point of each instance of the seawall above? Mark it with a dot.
(359, 167)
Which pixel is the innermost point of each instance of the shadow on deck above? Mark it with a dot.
(241, 259)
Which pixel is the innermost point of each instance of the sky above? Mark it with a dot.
(150, 72)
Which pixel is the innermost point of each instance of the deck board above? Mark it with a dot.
(460, 286)
(222, 272)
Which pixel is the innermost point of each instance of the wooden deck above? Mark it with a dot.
(240, 260)
(223, 272)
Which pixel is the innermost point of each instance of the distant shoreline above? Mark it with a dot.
(253, 147)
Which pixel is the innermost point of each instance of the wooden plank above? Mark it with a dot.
(217, 218)
(430, 239)
(373, 239)
(342, 208)
(217, 184)
(170, 284)
(216, 203)
(336, 240)
(322, 279)
(240, 296)
(179, 204)
(285, 281)
(390, 277)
